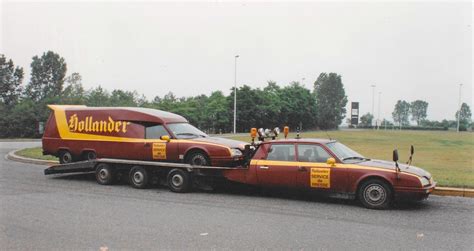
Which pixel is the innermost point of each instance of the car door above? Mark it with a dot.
(315, 173)
(157, 149)
(279, 169)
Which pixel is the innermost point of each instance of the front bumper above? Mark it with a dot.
(415, 193)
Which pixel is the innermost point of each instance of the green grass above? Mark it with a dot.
(448, 156)
(35, 153)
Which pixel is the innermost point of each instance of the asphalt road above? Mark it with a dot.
(73, 212)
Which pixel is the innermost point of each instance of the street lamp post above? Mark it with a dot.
(378, 113)
(373, 100)
(235, 93)
(459, 105)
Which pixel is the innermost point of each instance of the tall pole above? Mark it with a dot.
(302, 81)
(373, 100)
(459, 106)
(235, 93)
(378, 113)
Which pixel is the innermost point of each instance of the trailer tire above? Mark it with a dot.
(179, 181)
(65, 157)
(139, 177)
(105, 174)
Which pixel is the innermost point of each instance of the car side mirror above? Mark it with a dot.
(395, 155)
(331, 161)
(165, 137)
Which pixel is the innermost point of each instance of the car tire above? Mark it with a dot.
(105, 174)
(198, 158)
(65, 157)
(179, 181)
(89, 155)
(375, 194)
(139, 177)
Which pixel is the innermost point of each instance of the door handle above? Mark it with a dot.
(147, 144)
(302, 169)
(263, 167)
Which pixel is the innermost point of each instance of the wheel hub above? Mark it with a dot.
(375, 194)
(177, 180)
(103, 174)
(138, 177)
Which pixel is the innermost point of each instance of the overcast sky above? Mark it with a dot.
(408, 50)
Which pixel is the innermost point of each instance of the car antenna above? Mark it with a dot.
(329, 136)
(412, 151)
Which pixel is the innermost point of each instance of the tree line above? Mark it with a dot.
(23, 107)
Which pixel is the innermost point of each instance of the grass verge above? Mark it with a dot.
(35, 153)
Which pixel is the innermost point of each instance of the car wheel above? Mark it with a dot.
(139, 177)
(105, 174)
(375, 194)
(179, 181)
(65, 157)
(198, 159)
(89, 155)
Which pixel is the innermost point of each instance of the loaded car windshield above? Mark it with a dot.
(186, 131)
(344, 153)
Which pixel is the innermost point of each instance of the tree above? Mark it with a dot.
(331, 100)
(298, 107)
(366, 120)
(11, 78)
(465, 118)
(47, 77)
(401, 113)
(97, 97)
(418, 111)
(216, 115)
(74, 93)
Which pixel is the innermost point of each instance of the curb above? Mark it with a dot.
(452, 191)
(12, 156)
(441, 191)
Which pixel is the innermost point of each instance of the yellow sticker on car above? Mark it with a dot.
(159, 150)
(320, 177)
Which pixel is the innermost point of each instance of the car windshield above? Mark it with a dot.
(344, 153)
(185, 131)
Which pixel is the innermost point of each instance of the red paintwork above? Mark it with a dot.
(343, 180)
(217, 149)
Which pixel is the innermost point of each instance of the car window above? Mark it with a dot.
(284, 152)
(155, 132)
(312, 153)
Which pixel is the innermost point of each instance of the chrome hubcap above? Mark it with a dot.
(103, 174)
(177, 180)
(138, 177)
(375, 194)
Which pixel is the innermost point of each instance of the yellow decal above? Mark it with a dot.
(320, 177)
(89, 125)
(159, 150)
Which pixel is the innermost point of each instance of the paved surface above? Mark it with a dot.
(73, 212)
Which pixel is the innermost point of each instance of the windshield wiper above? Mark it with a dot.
(354, 157)
(188, 133)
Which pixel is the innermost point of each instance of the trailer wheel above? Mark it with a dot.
(375, 194)
(139, 177)
(105, 174)
(198, 158)
(65, 157)
(179, 181)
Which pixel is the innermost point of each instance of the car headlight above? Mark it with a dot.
(235, 152)
(425, 181)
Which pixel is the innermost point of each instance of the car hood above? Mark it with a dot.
(222, 141)
(391, 165)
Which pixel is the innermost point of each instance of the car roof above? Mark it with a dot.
(300, 140)
(129, 113)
